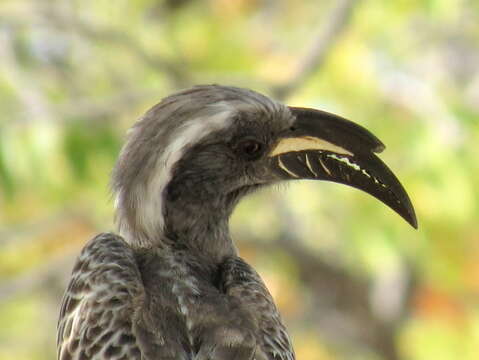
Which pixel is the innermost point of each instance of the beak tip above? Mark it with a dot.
(344, 153)
(410, 217)
(413, 223)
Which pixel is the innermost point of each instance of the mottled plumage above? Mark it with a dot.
(171, 285)
(160, 304)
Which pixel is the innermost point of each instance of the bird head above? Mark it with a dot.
(197, 152)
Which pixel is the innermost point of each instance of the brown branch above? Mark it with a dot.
(336, 23)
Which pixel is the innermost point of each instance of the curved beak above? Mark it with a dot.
(324, 146)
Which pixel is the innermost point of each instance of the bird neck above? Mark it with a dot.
(200, 225)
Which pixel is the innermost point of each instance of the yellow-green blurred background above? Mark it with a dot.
(352, 279)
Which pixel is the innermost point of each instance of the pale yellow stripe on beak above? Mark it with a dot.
(306, 143)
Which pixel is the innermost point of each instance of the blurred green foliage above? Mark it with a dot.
(74, 75)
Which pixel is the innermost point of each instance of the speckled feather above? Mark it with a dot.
(241, 281)
(128, 304)
(172, 285)
(98, 308)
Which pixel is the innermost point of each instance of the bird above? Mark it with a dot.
(170, 283)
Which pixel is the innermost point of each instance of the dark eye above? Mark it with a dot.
(250, 148)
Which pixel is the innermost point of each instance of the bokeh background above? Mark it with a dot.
(352, 279)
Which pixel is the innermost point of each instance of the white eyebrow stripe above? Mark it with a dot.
(150, 214)
(324, 167)
(308, 164)
(284, 168)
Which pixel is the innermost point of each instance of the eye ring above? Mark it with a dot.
(250, 148)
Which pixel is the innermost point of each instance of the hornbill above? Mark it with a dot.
(170, 284)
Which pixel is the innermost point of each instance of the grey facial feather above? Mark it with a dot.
(159, 139)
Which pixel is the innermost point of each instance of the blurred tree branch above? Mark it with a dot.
(49, 276)
(87, 107)
(91, 110)
(175, 70)
(342, 307)
(172, 69)
(336, 23)
(339, 292)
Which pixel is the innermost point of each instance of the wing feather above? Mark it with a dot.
(241, 281)
(97, 310)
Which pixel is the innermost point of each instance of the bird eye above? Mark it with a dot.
(250, 148)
